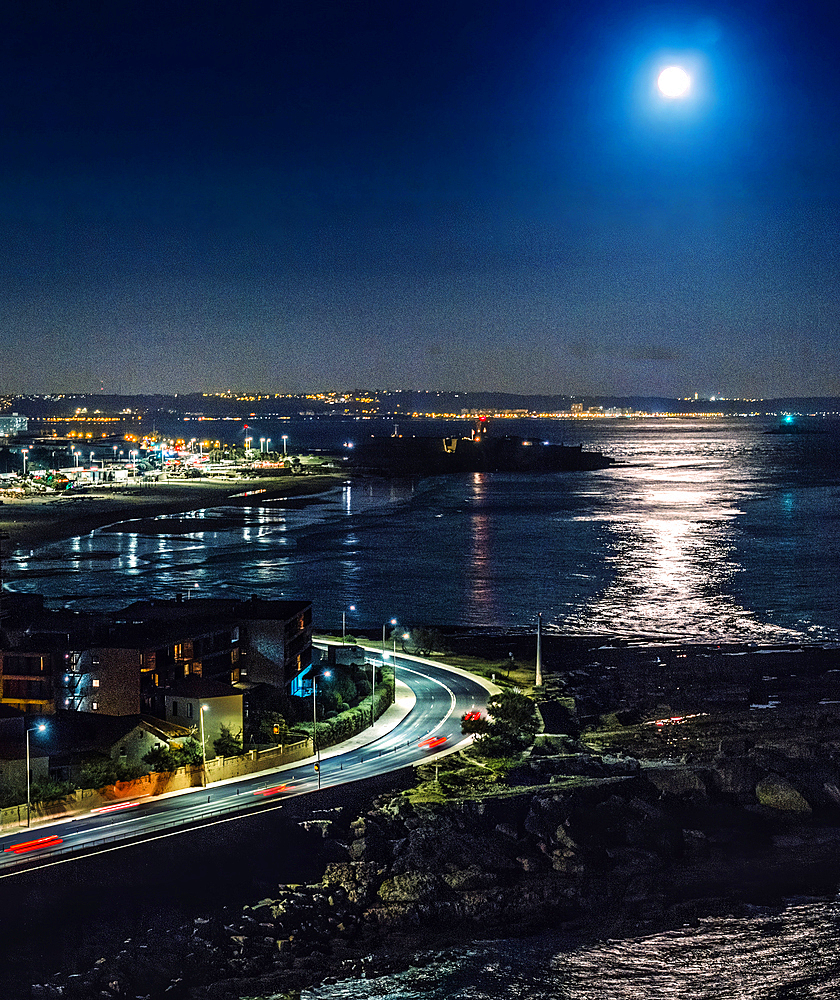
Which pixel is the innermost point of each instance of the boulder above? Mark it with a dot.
(410, 887)
(679, 781)
(777, 792)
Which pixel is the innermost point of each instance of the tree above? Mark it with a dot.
(427, 640)
(226, 744)
(190, 752)
(509, 726)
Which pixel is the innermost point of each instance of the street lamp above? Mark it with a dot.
(393, 621)
(262, 445)
(373, 669)
(267, 445)
(204, 708)
(285, 438)
(248, 443)
(405, 636)
(39, 728)
(344, 622)
(24, 452)
(315, 746)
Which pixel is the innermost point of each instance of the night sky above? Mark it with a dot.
(315, 195)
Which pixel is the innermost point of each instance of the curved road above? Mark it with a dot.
(441, 696)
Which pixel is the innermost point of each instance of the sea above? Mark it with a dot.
(704, 529)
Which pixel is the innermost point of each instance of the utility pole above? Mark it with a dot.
(3, 538)
(538, 678)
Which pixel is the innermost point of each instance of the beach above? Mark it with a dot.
(27, 523)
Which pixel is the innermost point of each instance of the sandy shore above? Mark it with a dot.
(32, 522)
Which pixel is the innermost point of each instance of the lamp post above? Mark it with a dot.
(39, 728)
(267, 445)
(405, 635)
(315, 746)
(24, 452)
(393, 621)
(285, 438)
(262, 445)
(344, 622)
(204, 708)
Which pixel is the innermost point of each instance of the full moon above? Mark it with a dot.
(674, 81)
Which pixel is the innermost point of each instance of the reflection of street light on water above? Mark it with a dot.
(39, 728)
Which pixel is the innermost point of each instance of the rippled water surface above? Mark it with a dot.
(791, 954)
(705, 529)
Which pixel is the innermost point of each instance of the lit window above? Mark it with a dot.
(96, 682)
(94, 706)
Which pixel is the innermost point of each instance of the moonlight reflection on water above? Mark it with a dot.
(681, 539)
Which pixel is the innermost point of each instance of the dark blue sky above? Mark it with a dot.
(300, 196)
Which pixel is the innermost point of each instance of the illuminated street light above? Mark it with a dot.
(39, 728)
(404, 637)
(24, 452)
(262, 445)
(373, 667)
(285, 439)
(344, 621)
(315, 746)
(267, 445)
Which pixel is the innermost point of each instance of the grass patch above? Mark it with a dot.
(460, 776)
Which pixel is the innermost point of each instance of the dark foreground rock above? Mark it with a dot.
(597, 843)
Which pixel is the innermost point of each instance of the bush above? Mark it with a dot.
(97, 774)
(226, 744)
(49, 791)
(162, 759)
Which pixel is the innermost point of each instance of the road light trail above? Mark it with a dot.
(111, 828)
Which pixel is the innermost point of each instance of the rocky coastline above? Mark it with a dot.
(640, 821)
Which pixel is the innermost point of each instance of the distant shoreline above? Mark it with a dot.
(33, 522)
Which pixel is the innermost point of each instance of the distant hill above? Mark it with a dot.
(398, 402)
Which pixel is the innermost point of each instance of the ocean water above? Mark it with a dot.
(704, 530)
(790, 953)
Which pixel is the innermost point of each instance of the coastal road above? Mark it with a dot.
(436, 697)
